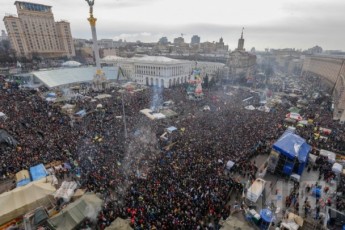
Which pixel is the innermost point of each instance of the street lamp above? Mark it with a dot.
(124, 115)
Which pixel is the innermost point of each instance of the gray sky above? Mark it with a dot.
(297, 24)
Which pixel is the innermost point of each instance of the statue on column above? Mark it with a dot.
(99, 79)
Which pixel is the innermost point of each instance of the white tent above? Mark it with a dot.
(330, 155)
(71, 64)
(229, 165)
(66, 190)
(337, 168)
(23, 199)
(250, 107)
(119, 224)
(255, 190)
(101, 96)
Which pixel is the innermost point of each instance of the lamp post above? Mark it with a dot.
(124, 115)
(99, 77)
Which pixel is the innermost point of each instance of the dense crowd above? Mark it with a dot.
(182, 186)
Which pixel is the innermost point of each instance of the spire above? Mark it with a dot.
(241, 42)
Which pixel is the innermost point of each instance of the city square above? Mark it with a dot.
(170, 136)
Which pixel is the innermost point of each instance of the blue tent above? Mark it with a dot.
(37, 172)
(266, 215)
(293, 146)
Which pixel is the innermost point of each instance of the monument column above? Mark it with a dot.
(99, 78)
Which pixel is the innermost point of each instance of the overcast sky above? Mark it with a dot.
(297, 24)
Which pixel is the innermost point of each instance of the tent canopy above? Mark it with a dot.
(51, 94)
(292, 145)
(71, 64)
(337, 168)
(250, 107)
(266, 215)
(23, 178)
(229, 165)
(21, 200)
(37, 172)
(331, 156)
(66, 190)
(294, 110)
(171, 129)
(87, 206)
(119, 224)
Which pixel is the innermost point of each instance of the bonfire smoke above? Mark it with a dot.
(157, 97)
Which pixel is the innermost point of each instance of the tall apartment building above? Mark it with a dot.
(3, 35)
(195, 40)
(34, 31)
(178, 41)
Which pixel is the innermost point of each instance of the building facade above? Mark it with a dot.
(34, 32)
(162, 71)
(331, 70)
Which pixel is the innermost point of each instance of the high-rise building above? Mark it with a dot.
(178, 41)
(3, 35)
(163, 41)
(241, 42)
(65, 37)
(34, 32)
(195, 40)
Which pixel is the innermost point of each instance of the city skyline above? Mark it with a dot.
(268, 24)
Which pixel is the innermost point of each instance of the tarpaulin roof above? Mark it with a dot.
(267, 215)
(37, 172)
(21, 200)
(66, 190)
(22, 178)
(292, 145)
(119, 224)
(171, 129)
(76, 212)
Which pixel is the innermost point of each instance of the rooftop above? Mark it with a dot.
(64, 76)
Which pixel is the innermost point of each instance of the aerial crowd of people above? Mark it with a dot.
(179, 183)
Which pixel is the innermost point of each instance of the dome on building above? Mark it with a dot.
(71, 64)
